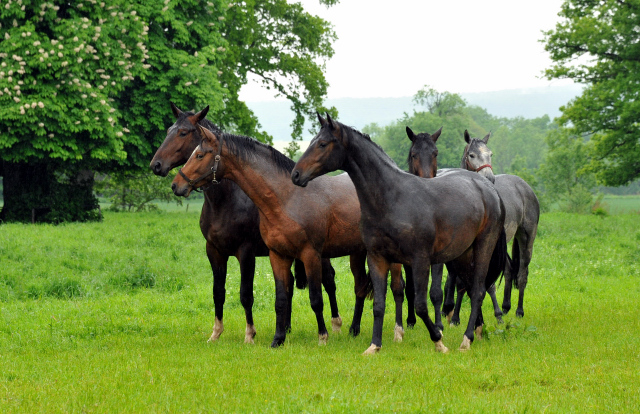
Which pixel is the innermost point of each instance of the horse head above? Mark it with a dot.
(182, 138)
(423, 154)
(477, 156)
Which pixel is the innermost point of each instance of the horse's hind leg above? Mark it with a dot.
(449, 295)
(218, 263)
(435, 293)
(410, 291)
(421, 281)
(329, 283)
(496, 307)
(397, 288)
(526, 252)
(461, 290)
(508, 285)
(313, 267)
(362, 286)
(281, 267)
(247, 260)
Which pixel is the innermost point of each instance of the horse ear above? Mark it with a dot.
(321, 119)
(410, 134)
(331, 122)
(202, 114)
(486, 138)
(467, 138)
(175, 110)
(436, 135)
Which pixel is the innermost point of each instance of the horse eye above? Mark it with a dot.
(414, 156)
(183, 133)
(472, 155)
(199, 156)
(322, 144)
(435, 154)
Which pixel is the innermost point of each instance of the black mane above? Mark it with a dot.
(352, 130)
(245, 147)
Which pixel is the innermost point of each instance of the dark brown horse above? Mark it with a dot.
(230, 224)
(423, 162)
(522, 216)
(321, 222)
(456, 219)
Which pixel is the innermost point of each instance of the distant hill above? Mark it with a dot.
(276, 116)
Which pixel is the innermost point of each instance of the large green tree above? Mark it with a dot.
(98, 76)
(597, 43)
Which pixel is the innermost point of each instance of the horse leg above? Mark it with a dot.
(476, 293)
(282, 276)
(479, 324)
(289, 303)
(526, 252)
(219, 267)
(313, 266)
(461, 290)
(361, 289)
(397, 288)
(496, 307)
(410, 291)
(449, 297)
(508, 285)
(421, 282)
(329, 283)
(435, 293)
(247, 259)
(378, 269)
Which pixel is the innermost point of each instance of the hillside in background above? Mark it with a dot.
(276, 117)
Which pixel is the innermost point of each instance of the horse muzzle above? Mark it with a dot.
(298, 179)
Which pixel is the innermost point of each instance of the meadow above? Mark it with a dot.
(115, 317)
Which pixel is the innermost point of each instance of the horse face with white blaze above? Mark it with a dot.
(477, 156)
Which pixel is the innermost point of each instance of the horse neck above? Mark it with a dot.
(266, 185)
(217, 195)
(372, 172)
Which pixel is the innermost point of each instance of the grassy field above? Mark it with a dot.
(115, 316)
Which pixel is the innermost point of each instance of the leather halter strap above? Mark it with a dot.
(213, 169)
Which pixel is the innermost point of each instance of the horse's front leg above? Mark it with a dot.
(247, 259)
(361, 288)
(313, 266)
(449, 297)
(281, 266)
(476, 292)
(461, 289)
(435, 293)
(218, 263)
(378, 270)
(397, 288)
(421, 282)
(496, 307)
(329, 283)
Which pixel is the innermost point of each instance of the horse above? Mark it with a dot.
(321, 222)
(229, 222)
(423, 162)
(456, 219)
(522, 216)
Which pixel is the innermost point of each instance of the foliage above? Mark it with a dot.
(136, 191)
(597, 43)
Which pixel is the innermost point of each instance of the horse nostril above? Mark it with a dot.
(173, 187)
(157, 167)
(296, 175)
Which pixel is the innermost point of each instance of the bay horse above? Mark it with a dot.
(320, 222)
(229, 222)
(521, 220)
(423, 162)
(456, 219)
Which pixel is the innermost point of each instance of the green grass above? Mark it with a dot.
(622, 204)
(115, 316)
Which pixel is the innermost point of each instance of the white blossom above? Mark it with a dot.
(40, 124)
(84, 96)
(51, 135)
(40, 104)
(15, 98)
(188, 84)
(189, 23)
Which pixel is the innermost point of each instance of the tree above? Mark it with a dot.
(439, 103)
(597, 43)
(101, 74)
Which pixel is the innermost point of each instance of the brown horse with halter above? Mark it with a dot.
(312, 224)
(230, 224)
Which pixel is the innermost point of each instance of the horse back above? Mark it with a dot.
(522, 209)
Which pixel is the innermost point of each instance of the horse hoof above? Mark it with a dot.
(440, 326)
(277, 343)
(322, 338)
(218, 328)
(505, 310)
(398, 333)
(410, 325)
(478, 333)
(249, 334)
(440, 347)
(519, 313)
(336, 324)
(373, 349)
(466, 344)
(354, 331)
(500, 321)
(449, 316)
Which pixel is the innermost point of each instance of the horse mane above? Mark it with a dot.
(352, 130)
(245, 147)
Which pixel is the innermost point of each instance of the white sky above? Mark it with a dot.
(393, 48)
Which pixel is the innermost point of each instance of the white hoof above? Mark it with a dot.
(449, 316)
(373, 349)
(478, 333)
(218, 328)
(336, 324)
(322, 339)
(398, 333)
(440, 347)
(466, 344)
(249, 334)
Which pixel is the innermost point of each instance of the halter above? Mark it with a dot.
(213, 169)
(468, 164)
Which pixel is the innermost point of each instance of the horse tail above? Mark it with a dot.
(498, 261)
(300, 274)
(368, 288)
(514, 264)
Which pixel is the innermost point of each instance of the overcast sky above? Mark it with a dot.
(393, 48)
